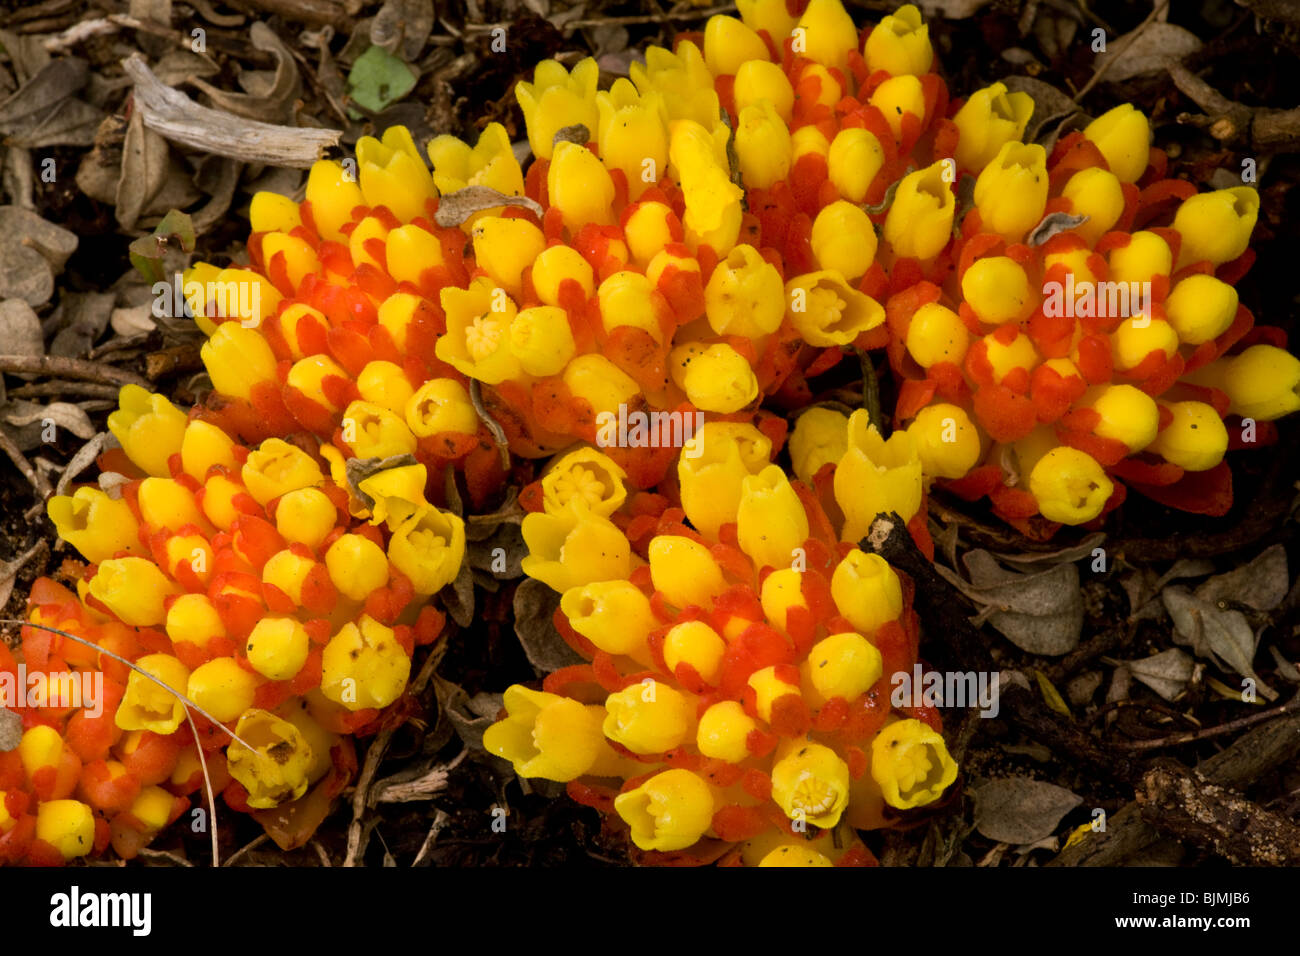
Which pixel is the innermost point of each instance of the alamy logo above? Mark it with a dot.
(232, 299)
(74, 909)
(639, 429)
(950, 689)
(1097, 300)
(59, 689)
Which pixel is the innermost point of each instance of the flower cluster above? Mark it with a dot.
(250, 581)
(736, 704)
(1056, 365)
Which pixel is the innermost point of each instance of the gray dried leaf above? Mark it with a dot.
(1041, 613)
(404, 23)
(217, 176)
(85, 317)
(1166, 673)
(1053, 224)
(1148, 49)
(482, 527)
(71, 123)
(454, 704)
(33, 252)
(500, 554)
(63, 414)
(458, 597)
(1071, 554)
(1224, 637)
(1261, 584)
(36, 99)
(273, 103)
(1049, 104)
(145, 164)
(178, 66)
(20, 330)
(455, 208)
(534, 607)
(133, 321)
(1019, 810)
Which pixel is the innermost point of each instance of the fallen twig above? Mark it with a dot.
(1229, 121)
(34, 478)
(70, 368)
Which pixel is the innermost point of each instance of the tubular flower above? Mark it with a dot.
(556, 100)
(910, 763)
(573, 546)
(490, 162)
(363, 665)
(745, 670)
(820, 437)
(876, 476)
(899, 44)
(1011, 191)
(990, 119)
(919, 222)
(828, 311)
(393, 174)
(275, 770)
(1123, 136)
(95, 524)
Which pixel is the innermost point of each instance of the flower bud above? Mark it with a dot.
(545, 735)
(600, 382)
(222, 688)
(684, 571)
(937, 334)
(1147, 255)
(333, 193)
(1201, 308)
(441, 405)
(386, 385)
(1097, 194)
(719, 379)
(876, 476)
(149, 428)
(237, 359)
(696, 644)
(133, 589)
(897, 96)
(625, 301)
(505, 247)
(713, 202)
(364, 666)
(712, 468)
(193, 619)
(828, 311)
(997, 289)
(866, 590)
(357, 566)
(374, 432)
(1216, 226)
(148, 706)
(1263, 383)
(770, 15)
(911, 765)
(66, 825)
(820, 436)
(759, 79)
(1006, 355)
(762, 145)
(1124, 137)
(271, 212)
(991, 118)
(771, 522)
(429, 548)
(1128, 415)
(768, 688)
(729, 43)
(1011, 191)
(573, 548)
(947, 441)
(305, 516)
(277, 647)
(277, 770)
(1195, 439)
(648, 717)
(579, 186)
(557, 99)
(854, 159)
(613, 615)
(409, 250)
(166, 503)
(93, 523)
(919, 221)
(1138, 337)
(828, 34)
(795, 855)
(843, 665)
(724, 730)
(276, 468)
(671, 810)
(477, 342)
(682, 80)
(811, 784)
(651, 226)
(743, 296)
(1069, 486)
(844, 240)
(899, 44)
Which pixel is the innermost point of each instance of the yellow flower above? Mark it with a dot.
(277, 647)
(795, 855)
(762, 145)
(624, 300)
(1124, 137)
(866, 590)
(584, 478)
(393, 173)
(271, 212)
(1128, 415)
(696, 644)
(397, 493)
(899, 44)
(545, 735)
(897, 96)
(1216, 226)
(713, 212)
(1069, 486)
(820, 435)
(222, 688)
(919, 221)
(559, 263)
(1145, 256)
(557, 99)
(828, 311)
(148, 706)
(684, 571)
(1263, 382)
(729, 44)
(854, 158)
(997, 289)
(305, 516)
(990, 118)
(133, 589)
(947, 441)
(768, 689)
(1011, 191)
(364, 666)
(724, 730)
(441, 405)
(276, 770)
(683, 81)
(843, 665)
(763, 80)
(409, 250)
(937, 334)
(356, 566)
(712, 468)
(1195, 439)
(810, 784)
(743, 296)
(67, 825)
(599, 382)
(505, 247)
(828, 34)
(844, 240)
(276, 468)
(149, 428)
(876, 476)
(910, 762)
(648, 717)
(771, 522)
(1097, 194)
(95, 524)
(333, 193)
(574, 547)
(203, 446)
(429, 548)
(770, 15)
(716, 378)
(632, 134)
(670, 811)
(491, 162)
(1201, 308)
(193, 618)
(237, 359)
(580, 187)
(477, 342)
(1005, 357)
(613, 615)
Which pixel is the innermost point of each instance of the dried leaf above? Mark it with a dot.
(20, 330)
(454, 704)
(1051, 695)
(63, 414)
(1224, 637)
(71, 123)
(1041, 613)
(404, 23)
(1154, 47)
(1071, 554)
(1050, 104)
(145, 162)
(500, 554)
(133, 321)
(458, 597)
(455, 208)
(85, 317)
(32, 253)
(269, 105)
(1166, 673)
(1261, 584)
(1021, 810)
(1053, 224)
(8, 575)
(36, 99)
(378, 79)
(534, 606)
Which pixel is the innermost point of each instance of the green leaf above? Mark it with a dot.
(378, 79)
(146, 252)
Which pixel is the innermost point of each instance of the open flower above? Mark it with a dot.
(393, 174)
(811, 784)
(584, 478)
(989, 119)
(899, 44)
(574, 547)
(275, 770)
(910, 763)
(477, 342)
(557, 99)
(712, 468)
(95, 524)
(545, 735)
(876, 476)
(828, 311)
(429, 548)
(149, 428)
(1011, 191)
(919, 221)
(670, 811)
(363, 665)
(147, 705)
